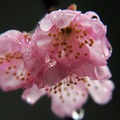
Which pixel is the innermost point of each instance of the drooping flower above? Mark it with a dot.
(65, 58)
(75, 49)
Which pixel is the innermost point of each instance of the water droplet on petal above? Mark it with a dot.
(94, 17)
(78, 115)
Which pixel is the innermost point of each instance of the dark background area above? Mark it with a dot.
(23, 15)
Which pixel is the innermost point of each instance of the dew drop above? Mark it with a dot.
(78, 115)
(94, 17)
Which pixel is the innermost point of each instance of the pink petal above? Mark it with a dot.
(86, 70)
(60, 19)
(98, 27)
(45, 24)
(31, 60)
(66, 98)
(107, 49)
(51, 74)
(93, 72)
(64, 20)
(100, 91)
(103, 72)
(8, 43)
(14, 35)
(41, 42)
(97, 56)
(13, 75)
(31, 95)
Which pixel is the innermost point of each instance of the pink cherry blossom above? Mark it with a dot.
(13, 74)
(73, 41)
(65, 58)
(75, 51)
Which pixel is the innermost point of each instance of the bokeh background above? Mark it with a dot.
(23, 15)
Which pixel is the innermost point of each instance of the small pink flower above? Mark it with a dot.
(13, 74)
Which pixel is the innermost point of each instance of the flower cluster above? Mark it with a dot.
(65, 58)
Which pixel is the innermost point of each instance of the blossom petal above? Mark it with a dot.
(68, 98)
(45, 24)
(31, 95)
(60, 18)
(94, 72)
(100, 91)
(51, 74)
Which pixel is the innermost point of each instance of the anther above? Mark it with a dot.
(9, 68)
(59, 90)
(55, 92)
(21, 74)
(14, 66)
(77, 31)
(76, 57)
(28, 74)
(77, 37)
(1, 58)
(68, 84)
(70, 51)
(7, 72)
(17, 77)
(86, 41)
(64, 49)
(23, 79)
(75, 83)
(59, 56)
(85, 33)
(61, 97)
(74, 100)
(60, 84)
(88, 85)
(55, 87)
(14, 74)
(59, 52)
(67, 55)
(54, 35)
(78, 53)
(52, 51)
(49, 34)
(85, 54)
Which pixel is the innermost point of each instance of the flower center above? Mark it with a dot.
(67, 30)
(70, 42)
(68, 87)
